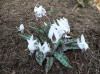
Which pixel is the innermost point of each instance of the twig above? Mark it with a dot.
(74, 7)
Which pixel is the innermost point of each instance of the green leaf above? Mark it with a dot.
(24, 36)
(65, 48)
(38, 30)
(49, 64)
(67, 41)
(51, 10)
(73, 44)
(39, 57)
(47, 28)
(40, 33)
(55, 46)
(62, 59)
(69, 45)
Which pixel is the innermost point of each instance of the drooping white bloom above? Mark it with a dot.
(54, 34)
(82, 44)
(21, 28)
(32, 44)
(39, 11)
(44, 48)
(57, 31)
(64, 26)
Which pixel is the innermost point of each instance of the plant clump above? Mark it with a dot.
(50, 40)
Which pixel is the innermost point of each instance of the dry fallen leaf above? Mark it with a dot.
(81, 2)
(13, 72)
(97, 3)
(26, 49)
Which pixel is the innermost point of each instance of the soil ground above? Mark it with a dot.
(15, 60)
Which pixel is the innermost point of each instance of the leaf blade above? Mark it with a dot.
(49, 64)
(24, 36)
(39, 56)
(62, 59)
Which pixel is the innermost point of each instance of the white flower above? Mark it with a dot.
(44, 48)
(32, 44)
(64, 26)
(21, 28)
(57, 31)
(82, 44)
(54, 34)
(39, 11)
(66, 36)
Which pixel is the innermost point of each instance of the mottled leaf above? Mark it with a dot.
(62, 59)
(39, 57)
(65, 48)
(41, 34)
(49, 64)
(55, 46)
(73, 44)
(38, 30)
(67, 41)
(47, 28)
